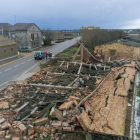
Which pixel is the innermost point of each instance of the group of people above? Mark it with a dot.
(48, 54)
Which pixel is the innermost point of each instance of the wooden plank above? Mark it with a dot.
(73, 81)
(52, 86)
(21, 107)
(61, 63)
(93, 65)
(81, 54)
(67, 65)
(76, 53)
(79, 69)
(88, 51)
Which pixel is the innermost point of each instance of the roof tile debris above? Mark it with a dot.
(36, 111)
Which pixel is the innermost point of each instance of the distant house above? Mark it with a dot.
(26, 34)
(4, 29)
(8, 48)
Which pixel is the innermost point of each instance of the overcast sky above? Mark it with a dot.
(72, 14)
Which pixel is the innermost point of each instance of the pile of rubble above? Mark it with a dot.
(106, 108)
(48, 103)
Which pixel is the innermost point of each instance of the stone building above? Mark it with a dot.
(4, 29)
(26, 34)
(8, 48)
(90, 28)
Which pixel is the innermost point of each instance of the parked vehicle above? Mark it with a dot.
(24, 49)
(39, 55)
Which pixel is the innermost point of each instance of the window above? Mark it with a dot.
(12, 49)
(32, 36)
(6, 32)
(4, 50)
(112, 52)
(13, 35)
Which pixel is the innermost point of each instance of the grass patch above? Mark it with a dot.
(68, 37)
(48, 138)
(43, 65)
(69, 52)
(138, 135)
(138, 90)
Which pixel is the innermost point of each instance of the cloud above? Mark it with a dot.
(71, 13)
(135, 24)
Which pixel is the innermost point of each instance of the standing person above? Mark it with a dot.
(46, 54)
(51, 54)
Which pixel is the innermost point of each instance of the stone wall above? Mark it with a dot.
(136, 53)
(121, 50)
(8, 51)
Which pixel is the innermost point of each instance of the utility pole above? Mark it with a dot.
(2, 30)
(15, 19)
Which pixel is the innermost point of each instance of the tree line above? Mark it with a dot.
(96, 37)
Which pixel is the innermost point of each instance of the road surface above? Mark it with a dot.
(13, 70)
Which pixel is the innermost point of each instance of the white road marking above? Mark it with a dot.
(15, 76)
(16, 65)
(8, 69)
(22, 62)
(30, 59)
(29, 69)
(0, 72)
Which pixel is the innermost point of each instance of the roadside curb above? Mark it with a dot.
(14, 60)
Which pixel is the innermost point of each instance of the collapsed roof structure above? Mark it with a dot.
(74, 96)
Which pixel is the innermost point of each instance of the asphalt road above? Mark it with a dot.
(15, 69)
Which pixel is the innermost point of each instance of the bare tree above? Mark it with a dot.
(99, 36)
(48, 34)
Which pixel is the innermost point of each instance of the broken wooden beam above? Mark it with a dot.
(95, 76)
(73, 81)
(20, 108)
(61, 64)
(56, 73)
(82, 54)
(76, 53)
(91, 65)
(52, 86)
(88, 52)
(95, 67)
(80, 68)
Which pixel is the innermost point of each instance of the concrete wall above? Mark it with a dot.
(8, 51)
(121, 50)
(23, 38)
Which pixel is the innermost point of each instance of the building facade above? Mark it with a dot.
(4, 29)
(26, 34)
(8, 48)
